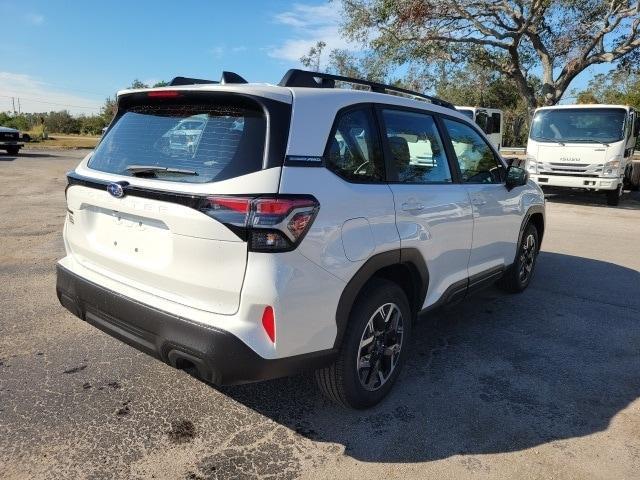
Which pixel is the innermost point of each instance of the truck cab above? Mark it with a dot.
(587, 147)
(490, 120)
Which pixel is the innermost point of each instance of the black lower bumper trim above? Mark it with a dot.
(217, 356)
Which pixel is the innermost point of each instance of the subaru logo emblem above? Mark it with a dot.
(116, 189)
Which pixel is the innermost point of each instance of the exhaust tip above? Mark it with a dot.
(192, 365)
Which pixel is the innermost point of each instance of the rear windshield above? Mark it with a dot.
(186, 141)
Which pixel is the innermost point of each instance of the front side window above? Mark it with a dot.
(186, 141)
(476, 159)
(354, 151)
(483, 120)
(579, 125)
(628, 126)
(417, 150)
(496, 122)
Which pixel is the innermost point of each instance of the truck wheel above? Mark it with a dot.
(518, 276)
(13, 150)
(634, 182)
(613, 196)
(373, 349)
(632, 177)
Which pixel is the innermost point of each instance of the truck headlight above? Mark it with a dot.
(611, 168)
(531, 164)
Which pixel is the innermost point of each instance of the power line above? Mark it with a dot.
(52, 103)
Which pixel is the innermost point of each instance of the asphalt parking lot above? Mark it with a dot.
(545, 384)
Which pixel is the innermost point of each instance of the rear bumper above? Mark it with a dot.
(566, 181)
(218, 356)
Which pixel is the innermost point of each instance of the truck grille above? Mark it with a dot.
(589, 170)
(9, 135)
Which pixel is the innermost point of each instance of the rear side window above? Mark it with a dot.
(184, 141)
(354, 150)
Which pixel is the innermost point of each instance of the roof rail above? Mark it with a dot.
(188, 81)
(304, 78)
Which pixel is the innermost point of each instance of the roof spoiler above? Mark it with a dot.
(226, 78)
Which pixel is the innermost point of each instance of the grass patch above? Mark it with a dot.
(63, 142)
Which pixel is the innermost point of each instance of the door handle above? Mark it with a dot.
(412, 206)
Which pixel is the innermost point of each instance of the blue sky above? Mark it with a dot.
(75, 54)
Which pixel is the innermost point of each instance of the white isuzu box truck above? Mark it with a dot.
(584, 146)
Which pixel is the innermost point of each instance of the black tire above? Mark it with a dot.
(613, 196)
(518, 276)
(13, 150)
(342, 382)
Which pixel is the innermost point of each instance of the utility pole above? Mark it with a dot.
(13, 104)
(19, 109)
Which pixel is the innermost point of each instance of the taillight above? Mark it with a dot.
(268, 224)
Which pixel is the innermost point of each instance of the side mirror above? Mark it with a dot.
(516, 177)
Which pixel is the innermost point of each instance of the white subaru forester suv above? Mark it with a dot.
(304, 231)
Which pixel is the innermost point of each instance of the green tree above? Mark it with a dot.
(138, 84)
(560, 37)
(62, 122)
(619, 86)
(92, 125)
(19, 122)
(312, 59)
(586, 98)
(108, 110)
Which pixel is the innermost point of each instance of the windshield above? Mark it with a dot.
(579, 125)
(466, 112)
(184, 141)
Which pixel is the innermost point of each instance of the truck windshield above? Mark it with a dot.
(187, 141)
(467, 112)
(579, 125)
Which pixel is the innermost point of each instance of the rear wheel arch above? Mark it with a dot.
(405, 267)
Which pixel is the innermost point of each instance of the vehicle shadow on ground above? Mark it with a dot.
(8, 158)
(628, 201)
(495, 373)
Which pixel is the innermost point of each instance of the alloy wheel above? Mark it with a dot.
(527, 258)
(380, 346)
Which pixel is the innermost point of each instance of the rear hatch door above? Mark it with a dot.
(138, 206)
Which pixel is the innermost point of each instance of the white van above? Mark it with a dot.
(583, 146)
(490, 121)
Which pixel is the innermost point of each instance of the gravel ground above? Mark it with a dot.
(539, 385)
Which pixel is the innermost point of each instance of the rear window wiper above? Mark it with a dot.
(142, 169)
